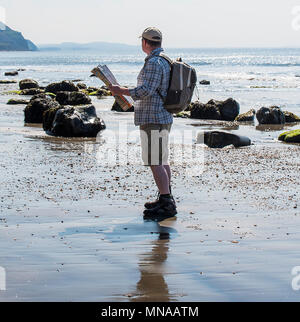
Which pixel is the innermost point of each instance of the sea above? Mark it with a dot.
(255, 77)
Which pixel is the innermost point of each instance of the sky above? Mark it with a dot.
(184, 23)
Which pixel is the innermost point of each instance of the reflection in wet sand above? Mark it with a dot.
(152, 286)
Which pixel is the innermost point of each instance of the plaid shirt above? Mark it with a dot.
(148, 107)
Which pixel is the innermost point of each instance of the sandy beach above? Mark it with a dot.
(71, 228)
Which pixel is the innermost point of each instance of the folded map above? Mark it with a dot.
(104, 73)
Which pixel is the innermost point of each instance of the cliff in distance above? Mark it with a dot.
(11, 40)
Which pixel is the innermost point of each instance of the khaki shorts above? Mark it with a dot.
(155, 143)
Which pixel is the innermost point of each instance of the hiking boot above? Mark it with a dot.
(166, 208)
(153, 204)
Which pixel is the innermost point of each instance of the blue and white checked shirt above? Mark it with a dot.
(148, 107)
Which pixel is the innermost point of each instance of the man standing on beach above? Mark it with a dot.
(154, 120)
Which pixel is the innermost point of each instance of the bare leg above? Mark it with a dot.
(161, 178)
(168, 170)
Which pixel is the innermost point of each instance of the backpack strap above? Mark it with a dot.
(169, 60)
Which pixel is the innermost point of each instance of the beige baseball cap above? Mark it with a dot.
(152, 33)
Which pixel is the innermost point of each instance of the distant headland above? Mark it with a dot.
(11, 40)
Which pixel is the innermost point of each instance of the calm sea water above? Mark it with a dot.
(254, 77)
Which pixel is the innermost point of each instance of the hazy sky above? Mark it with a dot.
(184, 23)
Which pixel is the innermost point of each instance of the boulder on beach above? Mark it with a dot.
(290, 136)
(72, 98)
(38, 104)
(246, 117)
(64, 86)
(226, 110)
(117, 108)
(14, 73)
(291, 117)
(14, 101)
(205, 111)
(219, 139)
(270, 115)
(28, 83)
(70, 121)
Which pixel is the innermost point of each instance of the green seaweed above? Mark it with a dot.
(290, 136)
(51, 94)
(18, 92)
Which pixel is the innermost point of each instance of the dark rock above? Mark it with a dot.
(218, 139)
(270, 115)
(72, 98)
(80, 121)
(205, 111)
(291, 117)
(229, 109)
(28, 84)
(48, 117)
(17, 102)
(64, 86)
(36, 107)
(31, 91)
(21, 70)
(117, 108)
(215, 110)
(204, 82)
(246, 117)
(14, 73)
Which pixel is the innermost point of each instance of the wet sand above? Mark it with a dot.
(71, 228)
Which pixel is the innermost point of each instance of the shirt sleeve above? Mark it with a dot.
(152, 80)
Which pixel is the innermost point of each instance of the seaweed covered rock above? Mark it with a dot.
(183, 114)
(28, 83)
(219, 139)
(15, 101)
(31, 91)
(216, 110)
(291, 117)
(69, 121)
(72, 98)
(246, 117)
(270, 115)
(117, 108)
(205, 111)
(38, 104)
(64, 86)
(100, 92)
(81, 86)
(290, 136)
